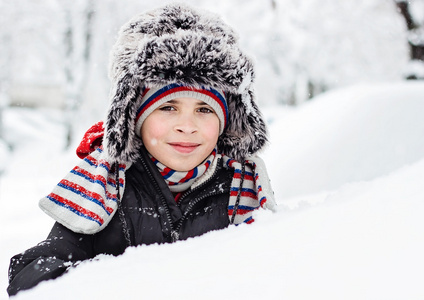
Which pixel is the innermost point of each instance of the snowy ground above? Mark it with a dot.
(347, 169)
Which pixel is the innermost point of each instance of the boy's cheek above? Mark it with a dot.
(155, 129)
(211, 131)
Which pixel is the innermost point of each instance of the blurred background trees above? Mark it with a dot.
(77, 42)
(413, 14)
(54, 53)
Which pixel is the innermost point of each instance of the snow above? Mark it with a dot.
(348, 135)
(346, 169)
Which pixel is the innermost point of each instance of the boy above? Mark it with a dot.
(175, 157)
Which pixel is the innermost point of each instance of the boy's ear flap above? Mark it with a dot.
(245, 133)
(120, 140)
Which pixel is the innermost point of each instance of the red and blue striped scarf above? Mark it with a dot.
(250, 189)
(87, 198)
(179, 181)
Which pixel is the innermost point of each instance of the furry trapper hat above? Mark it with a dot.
(178, 44)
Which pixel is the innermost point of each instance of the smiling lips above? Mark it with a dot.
(184, 147)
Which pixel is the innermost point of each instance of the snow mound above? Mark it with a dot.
(347, 135)
(363, 242)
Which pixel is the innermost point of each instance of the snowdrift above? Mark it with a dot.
(353, 134)
(347, 169)
(363, 242)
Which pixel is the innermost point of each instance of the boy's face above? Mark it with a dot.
(181, 133)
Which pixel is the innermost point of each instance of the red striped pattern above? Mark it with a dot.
(243, 194)
(76, 207)
(251, 190)
(88, 193)
(93, 178)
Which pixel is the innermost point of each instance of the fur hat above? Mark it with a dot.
(177, 44)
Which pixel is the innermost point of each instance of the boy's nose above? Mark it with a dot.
(186, 124)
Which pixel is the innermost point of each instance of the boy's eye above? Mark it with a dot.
(167, 108)
(205, 110)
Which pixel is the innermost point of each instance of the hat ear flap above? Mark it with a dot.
(121, 142)
(245, 133)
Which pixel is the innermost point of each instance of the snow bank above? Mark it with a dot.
(352, 134)
(364, 242)
(361, 240)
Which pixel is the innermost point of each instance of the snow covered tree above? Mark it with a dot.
(5, 59)
(77, 42)
(305, 47)
(413, 13)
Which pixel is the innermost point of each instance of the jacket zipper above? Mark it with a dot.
(199, 186)
(189, 208)
(174, 233)
(193, 202)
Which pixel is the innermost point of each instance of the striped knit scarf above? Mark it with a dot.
(246, 193)
(87, 198)
(250, 189)
(180, 181)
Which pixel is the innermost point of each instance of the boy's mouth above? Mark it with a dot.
(184, 147)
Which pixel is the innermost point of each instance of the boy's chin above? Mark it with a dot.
(182, 163)
(183, 166)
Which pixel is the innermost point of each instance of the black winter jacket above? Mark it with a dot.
(149, 214)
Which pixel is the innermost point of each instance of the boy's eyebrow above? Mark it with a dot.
(175, 101)
(172, 101)
(200, 102)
